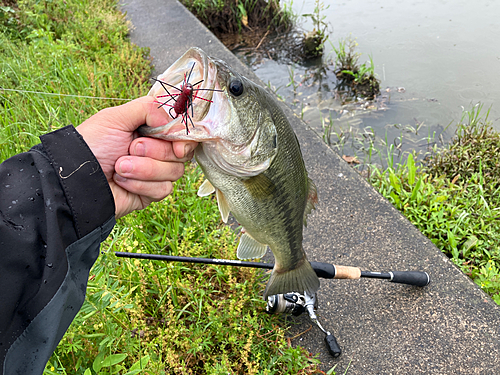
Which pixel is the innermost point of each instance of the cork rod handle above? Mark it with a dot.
(345, 272)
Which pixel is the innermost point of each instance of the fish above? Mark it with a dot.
(251, 159)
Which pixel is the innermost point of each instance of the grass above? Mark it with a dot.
(359, 78)
(454, 198)
(45, 50)
(139, 316)
(346, 57)
(227, 17)
(314, 41)
(155, 318)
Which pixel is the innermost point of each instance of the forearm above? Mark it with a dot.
(55, 209)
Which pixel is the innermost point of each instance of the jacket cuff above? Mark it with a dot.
(84, 183)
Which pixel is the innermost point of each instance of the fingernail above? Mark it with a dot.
(126, 166)
(189, 147)
(119, 178)
(140, 149)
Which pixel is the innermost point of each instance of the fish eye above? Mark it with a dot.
(236, 87)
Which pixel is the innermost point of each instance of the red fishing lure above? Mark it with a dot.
(183, 99)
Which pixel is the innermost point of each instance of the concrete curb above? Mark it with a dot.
(448, 327)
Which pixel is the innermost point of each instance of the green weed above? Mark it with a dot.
(363, 73)
(293, 82)
(314, 41)
(360, 78)
(372, 149)
(346, 57)
(226, 17)
(475, 149)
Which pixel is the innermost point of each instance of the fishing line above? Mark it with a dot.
(67, 95)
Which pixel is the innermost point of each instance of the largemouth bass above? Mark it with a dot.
(250, 157)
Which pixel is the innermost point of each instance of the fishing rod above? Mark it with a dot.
(323, 270)
(294, 302)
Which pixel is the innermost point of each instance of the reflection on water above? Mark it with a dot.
(433, 59)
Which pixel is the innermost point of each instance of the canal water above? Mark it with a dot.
(433, 58)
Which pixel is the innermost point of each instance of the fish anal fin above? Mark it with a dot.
(249, 248)
(223, 206)
(312, 199)
(205, 189)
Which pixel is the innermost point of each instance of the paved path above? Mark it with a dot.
(448, 327)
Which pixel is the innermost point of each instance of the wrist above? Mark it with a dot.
(84, 183)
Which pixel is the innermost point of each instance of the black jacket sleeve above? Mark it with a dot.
(56, 208)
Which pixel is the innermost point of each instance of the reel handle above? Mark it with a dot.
(332, 346)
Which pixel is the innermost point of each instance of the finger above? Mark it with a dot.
(131, 115)
(184, 149)
(147, 169)
(153, 191)
(162, 150)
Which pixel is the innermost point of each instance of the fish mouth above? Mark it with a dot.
(186, 110)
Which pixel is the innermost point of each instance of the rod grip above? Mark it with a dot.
(345, 272)
(323, 270)
(329, 271)
(417, 278)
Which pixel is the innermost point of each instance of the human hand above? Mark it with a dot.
(139, 170)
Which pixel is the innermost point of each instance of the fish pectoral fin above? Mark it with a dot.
(249, 248)
(312, 199)
(260, 186)
(223, 206)
(205, 189)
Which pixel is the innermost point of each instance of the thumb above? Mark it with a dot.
(141, 111)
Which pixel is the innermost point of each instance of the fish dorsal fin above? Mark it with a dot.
(249, 248)
(223, 206)
(312, 199)
(205, 189)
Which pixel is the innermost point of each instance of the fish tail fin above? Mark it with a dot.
(301, 279)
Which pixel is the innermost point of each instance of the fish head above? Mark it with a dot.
(229, 114)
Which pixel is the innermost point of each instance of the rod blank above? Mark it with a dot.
(173, 258)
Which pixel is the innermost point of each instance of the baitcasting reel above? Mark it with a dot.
(295, 304)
